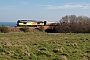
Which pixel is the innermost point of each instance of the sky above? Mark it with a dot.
(43, 10)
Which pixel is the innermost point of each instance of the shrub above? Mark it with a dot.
(4, 29)
(25, 29)
(41, 28)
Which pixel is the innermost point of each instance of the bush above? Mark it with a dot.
(4, 29)
(41, 28)
(74, 24)
(25, 29)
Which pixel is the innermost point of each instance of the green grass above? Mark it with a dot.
(44, 46)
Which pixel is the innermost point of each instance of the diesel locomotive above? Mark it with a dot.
(30, 23)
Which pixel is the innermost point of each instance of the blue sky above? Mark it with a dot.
(50, 10)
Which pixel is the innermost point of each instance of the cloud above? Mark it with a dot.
(23, 2)
(44, 5)
(66, 6)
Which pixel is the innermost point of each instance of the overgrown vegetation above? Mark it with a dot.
(41, 28)
(25, 29)
(44, 46)
(74, 24)
(4, 29)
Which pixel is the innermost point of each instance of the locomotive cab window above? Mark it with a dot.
(24, 22)
(38, 22)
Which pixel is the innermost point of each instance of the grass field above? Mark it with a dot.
(44, 46)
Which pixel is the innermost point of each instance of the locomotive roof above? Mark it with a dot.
(28, 20)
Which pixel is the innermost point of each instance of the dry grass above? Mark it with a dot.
(47, 46)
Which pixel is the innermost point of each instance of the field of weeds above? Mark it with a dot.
(44, 46)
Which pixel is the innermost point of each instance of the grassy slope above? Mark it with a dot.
(44, 46)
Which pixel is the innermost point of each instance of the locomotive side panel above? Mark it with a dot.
(29, 23)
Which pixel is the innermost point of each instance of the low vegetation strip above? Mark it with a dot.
(47, 46)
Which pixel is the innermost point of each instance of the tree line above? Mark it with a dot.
(73, 24)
